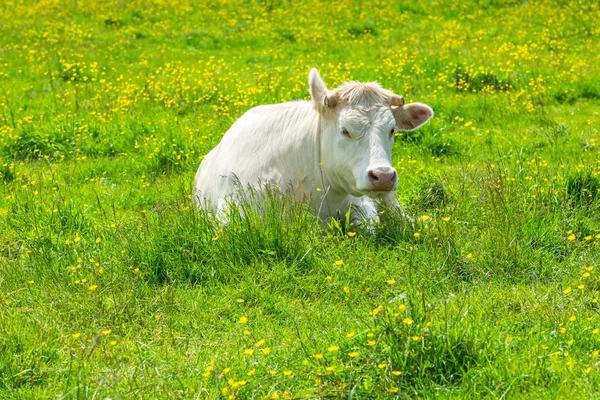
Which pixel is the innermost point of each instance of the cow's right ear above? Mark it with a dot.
(320, 95)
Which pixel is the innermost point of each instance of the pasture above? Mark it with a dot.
(113, 286)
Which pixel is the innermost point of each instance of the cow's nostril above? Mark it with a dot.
(372, 177)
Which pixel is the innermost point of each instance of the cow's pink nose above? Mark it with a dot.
(382, 178)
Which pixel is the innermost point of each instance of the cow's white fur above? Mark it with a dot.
(299, 146)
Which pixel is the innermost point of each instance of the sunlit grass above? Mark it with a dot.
(113, 285)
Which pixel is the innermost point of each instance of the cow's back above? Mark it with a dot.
(268, 144)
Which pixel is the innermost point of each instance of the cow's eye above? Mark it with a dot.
(346, 133)
(392, 132)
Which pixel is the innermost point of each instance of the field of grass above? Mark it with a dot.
(113, 286)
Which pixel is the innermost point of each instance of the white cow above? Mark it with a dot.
(334, 151)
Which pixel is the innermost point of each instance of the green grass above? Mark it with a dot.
(113, 286)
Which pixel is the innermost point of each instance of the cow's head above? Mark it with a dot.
(357, 132)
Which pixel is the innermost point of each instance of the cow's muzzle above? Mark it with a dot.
(383, 178)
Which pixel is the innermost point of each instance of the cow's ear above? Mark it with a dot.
(320, 95)
(411, 116)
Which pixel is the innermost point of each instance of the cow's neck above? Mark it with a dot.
(331, 195)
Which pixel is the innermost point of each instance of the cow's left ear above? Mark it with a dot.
(321, 97)
(411, 116)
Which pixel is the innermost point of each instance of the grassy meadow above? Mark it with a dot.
(113, 286)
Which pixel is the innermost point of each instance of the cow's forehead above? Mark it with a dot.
(367, 115)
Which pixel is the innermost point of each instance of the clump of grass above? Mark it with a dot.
(33, 145)
(200, 39)
(173, 159)
(583, 188)
(394, 227)
(363, 30)
(113, 23)
(440, 146)
(193, 247)
(578, 91)
(467, 80)
(174, 246)
(75, 72)
(431, 194)
(420, 349)
(269, 226)
(7, 173)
